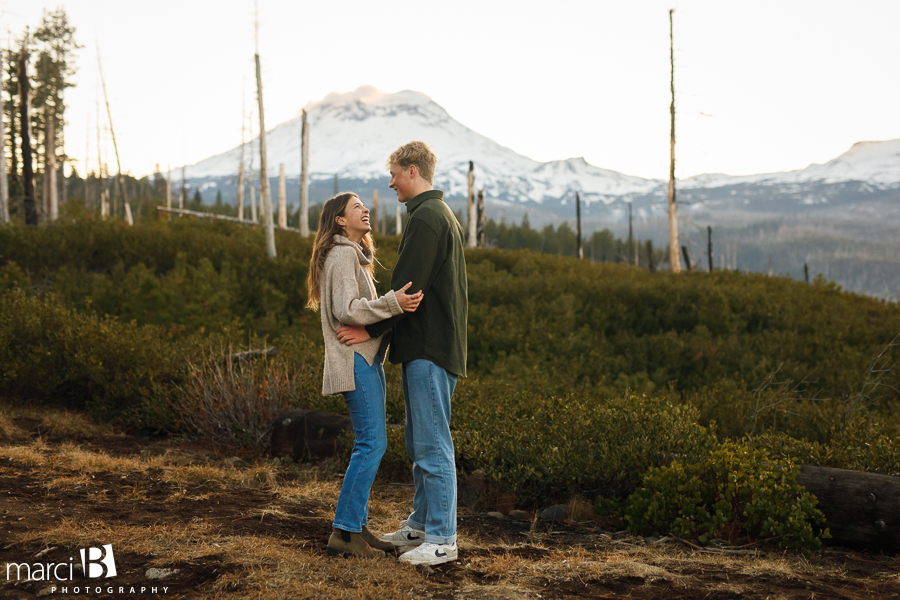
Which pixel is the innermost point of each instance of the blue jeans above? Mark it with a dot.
(427, 389)
(366, 404)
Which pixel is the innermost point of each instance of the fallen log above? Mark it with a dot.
(862, 510)
(270, 352)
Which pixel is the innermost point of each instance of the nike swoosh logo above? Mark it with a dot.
(411, 537)
(440, 554)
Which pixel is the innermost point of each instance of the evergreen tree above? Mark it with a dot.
(54, 70)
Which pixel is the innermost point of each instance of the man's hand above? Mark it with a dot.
(352, 334)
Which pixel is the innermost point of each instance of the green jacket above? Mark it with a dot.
(431, 257)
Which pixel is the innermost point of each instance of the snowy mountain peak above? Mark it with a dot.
(367, 102)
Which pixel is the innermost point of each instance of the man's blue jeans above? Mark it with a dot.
(427, 389)
(366, 404)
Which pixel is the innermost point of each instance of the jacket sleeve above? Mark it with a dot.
(348, 308)
(419, 263)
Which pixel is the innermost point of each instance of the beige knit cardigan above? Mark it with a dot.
(348, 297)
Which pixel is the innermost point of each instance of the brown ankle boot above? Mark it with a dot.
(373, 541)
(346, 543)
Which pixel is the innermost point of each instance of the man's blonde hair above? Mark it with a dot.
(415, 153)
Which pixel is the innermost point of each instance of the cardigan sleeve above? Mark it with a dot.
(346, 304)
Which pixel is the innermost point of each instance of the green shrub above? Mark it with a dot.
(738, 492)
(51, 354)
(549, 449)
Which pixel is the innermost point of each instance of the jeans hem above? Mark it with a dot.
(437, 539)
(346, 528)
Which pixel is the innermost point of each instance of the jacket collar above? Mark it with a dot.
(418, 200)
(365, 255)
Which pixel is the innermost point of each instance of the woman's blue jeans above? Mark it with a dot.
(366, 404)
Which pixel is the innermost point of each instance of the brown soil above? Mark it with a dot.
(235, 536)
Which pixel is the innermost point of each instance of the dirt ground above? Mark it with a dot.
(183, 523)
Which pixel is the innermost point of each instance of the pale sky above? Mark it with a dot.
(760, 86)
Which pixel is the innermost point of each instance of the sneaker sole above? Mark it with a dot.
(430, 563)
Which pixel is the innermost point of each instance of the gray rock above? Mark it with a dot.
(155, 573)
(557, 512)
(495, 514)
(237, 463)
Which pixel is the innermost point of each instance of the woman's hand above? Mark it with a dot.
(408, 302)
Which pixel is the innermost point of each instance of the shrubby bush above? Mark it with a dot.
(737, 493)
(50, 353)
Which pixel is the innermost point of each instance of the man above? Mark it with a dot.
(430, 344)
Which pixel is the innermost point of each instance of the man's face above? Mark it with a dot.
(402, 182)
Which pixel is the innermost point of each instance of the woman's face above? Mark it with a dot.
(355, 220)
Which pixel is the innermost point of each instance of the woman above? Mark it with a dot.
(341, 283)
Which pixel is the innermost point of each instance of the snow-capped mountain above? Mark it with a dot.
(875, 163)
(352, 134)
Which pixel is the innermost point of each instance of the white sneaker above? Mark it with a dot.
(405, 536)
(431, 554)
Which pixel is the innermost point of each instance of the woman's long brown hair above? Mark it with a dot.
(328, 228)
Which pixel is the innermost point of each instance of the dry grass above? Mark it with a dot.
(53, 422)
(256, 553)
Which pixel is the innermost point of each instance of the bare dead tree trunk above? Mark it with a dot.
(240, 193)
(580, 250)
(470, 206)
(4, 183)
(374, 216)
(673, 214)
(650, 261)
(112, 132)
(28, 200)
(481, 219)
(806, 272)
(62, 189)
(253, 214)
(128, 218)
(169, 193)
(687, 258)
(282, 197)
(50, 160)
(709, 246)
(183, 191)
(104, 212)
(304, 175)
(265, 195)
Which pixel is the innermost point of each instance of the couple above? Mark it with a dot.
(426, 330)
